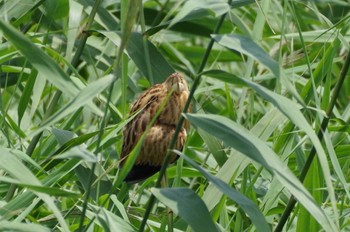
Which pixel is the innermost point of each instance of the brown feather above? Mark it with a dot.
(157, 140)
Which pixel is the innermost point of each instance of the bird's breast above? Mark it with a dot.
(173, 109)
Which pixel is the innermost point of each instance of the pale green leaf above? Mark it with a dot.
(245, 203)
(236, 136)
(45, 65)
(186, 203)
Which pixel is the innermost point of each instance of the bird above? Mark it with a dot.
(159, 135)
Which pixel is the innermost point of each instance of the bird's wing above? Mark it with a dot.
(145, 107)
(153, 151)
(149, 97)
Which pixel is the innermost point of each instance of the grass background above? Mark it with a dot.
(270, 119)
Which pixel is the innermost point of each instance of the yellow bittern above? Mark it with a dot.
(156, 142)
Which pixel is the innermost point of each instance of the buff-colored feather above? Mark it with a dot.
(157, 141)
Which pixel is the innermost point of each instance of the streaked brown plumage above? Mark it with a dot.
(156, 143)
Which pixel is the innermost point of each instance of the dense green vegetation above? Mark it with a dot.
(270, 116)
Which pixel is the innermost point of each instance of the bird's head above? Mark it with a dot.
(176, 82)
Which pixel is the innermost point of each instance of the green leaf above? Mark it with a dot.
(102, 185)
(73, 146)
(291, 110)
(26, 95)
(236, 136)
(196, 9)
(62, 136)
(214, 147)
(56, 9)
(240, 3)
(323, 68)
(84, 97)
(22, 227)
(79, 152)
(43, 189)
(40, 60)
(193, 14)
(108, 220)
(245, 203)
(237, 162)
(141, 51)
(14, 126)
(248, 47)
(16, 8)
(28, 198)
(186, 203)
(19, 171)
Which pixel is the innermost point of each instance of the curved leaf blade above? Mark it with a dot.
(186, 203)
(291, 110)
(19, 171)
(22, 227)
(141, 51)
(247, 205)
(82, 98)
(46, 66)
(248, 47)
(236, 136)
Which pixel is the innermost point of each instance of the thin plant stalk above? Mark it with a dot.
(75, 61)
(292, 201)
(132, 11)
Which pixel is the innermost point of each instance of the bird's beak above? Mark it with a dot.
(178, 87)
